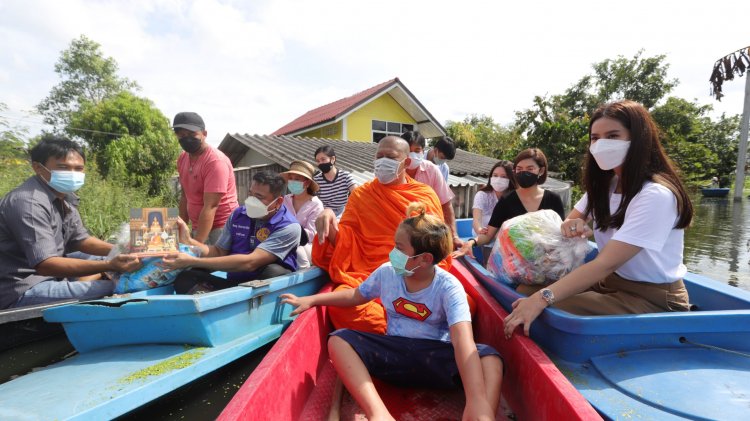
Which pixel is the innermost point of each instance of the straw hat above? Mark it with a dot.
(305, 169)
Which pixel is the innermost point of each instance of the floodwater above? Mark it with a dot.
(717, 244)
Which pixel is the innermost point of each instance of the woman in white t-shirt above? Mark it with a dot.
(500, 182)
(639, 209)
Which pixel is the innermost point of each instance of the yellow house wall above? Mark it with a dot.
(331, 131)
(359, 123)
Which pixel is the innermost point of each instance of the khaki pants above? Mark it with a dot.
(617, 295)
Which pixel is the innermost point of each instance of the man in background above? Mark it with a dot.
(208, 193)
(440, 153)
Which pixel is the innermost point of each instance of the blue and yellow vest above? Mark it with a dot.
(247, 233)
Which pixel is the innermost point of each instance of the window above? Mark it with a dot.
(381, 129)
(330, 130)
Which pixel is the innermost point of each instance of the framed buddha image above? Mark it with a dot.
(153, 231)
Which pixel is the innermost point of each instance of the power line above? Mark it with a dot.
(41, 122)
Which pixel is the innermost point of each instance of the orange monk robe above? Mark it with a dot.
(365, 238)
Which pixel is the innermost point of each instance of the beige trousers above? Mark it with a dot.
(617, 295)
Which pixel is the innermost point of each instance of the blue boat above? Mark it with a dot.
(715, 192)
(133, 350)
(657, 366)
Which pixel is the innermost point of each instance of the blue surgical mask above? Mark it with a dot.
(295, 187)
(438, 161)
(66, 181)
(398, 261)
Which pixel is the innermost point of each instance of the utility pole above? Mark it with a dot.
(724, 69)
(739, 182)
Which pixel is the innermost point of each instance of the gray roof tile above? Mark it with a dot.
(350, 156)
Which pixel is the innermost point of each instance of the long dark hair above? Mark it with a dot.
(645, 161)
(508, 167)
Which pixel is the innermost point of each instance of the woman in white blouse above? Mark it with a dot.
(639, 208)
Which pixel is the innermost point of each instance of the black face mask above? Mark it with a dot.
(526, 179)
(325, 167)
(190, 144)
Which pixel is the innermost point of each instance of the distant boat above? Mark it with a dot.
(715, 192)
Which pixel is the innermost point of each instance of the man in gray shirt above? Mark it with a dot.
(40, 225)
(259, 241)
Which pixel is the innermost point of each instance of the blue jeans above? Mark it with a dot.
(52, 290)
(67, 289)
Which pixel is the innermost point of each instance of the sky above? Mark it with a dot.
(253, 66)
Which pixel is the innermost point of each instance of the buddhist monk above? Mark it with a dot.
(351, 248)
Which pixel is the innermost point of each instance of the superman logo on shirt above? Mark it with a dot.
(417, 311)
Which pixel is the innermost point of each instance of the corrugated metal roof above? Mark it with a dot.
(355, 157)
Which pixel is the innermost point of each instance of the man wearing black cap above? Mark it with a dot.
(208, 194)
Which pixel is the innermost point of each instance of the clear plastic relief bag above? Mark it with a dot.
(530, 249)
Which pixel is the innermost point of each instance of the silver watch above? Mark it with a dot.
(548, 296)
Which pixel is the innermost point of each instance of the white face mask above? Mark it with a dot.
(416, 159)
(609, 153)
(254, 208)
(386, 169)
(499, 183)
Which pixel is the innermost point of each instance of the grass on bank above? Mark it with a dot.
(105, 204)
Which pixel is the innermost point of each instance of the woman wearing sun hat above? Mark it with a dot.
(303, 204)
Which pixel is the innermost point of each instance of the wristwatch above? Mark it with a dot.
(548, 296)
(472, 239)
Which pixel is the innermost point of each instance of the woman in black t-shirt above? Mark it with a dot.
(530, 171)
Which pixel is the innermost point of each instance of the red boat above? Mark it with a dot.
(296, 380)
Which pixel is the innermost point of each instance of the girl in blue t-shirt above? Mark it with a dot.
(429, 340)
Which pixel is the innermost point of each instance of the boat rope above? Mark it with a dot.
(684, 340)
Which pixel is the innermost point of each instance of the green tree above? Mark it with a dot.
(130, 139)
(12, 138)
(558, 125)
(14, 162)
(641, 79)
(562, 136)
(722, 137)
(480, 134)
(702, 148)
(87, 77)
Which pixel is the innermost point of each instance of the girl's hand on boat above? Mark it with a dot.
(177, 261)
(300, 303)
(577, 227)
(525, 311)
